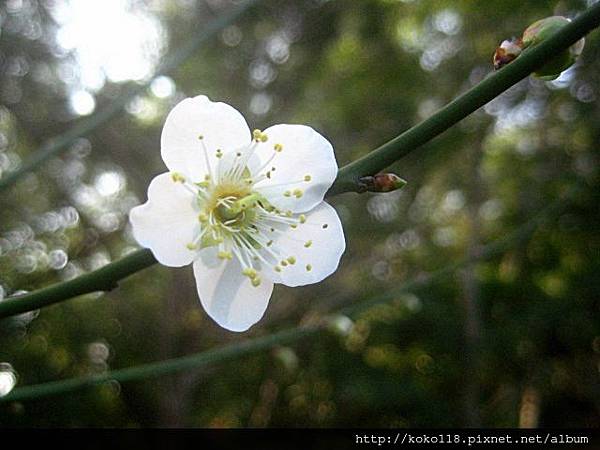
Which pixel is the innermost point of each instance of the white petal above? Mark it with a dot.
(167, 222)
(314, 261)
(305, 153)
(227, 295)
(220, 125)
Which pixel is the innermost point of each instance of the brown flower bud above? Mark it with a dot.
(382, 182)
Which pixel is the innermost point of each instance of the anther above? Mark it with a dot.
(291, 260)
(225, 255)
(278, 148)
(307, 178)
(219, 153)
(308, 267)
(200, 136)
(298, 193)
(287, 194)
(255, 281)
(202, 217)
(177, 177)
(308, 244)
(256, 134)
(250, 273)
(191, 246)
(277, 269)
(302, 218)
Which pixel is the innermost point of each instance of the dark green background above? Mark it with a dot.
(514, 341)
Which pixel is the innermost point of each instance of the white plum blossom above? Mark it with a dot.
(246, 209)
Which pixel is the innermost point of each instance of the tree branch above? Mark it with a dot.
(107, 277)
(476, 97)
(248, 347)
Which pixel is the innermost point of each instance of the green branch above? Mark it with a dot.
(239, 349)
(476, 97)
(103, 279)
(347, 180)
(57, 144)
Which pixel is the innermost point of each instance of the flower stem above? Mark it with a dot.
(348, 179)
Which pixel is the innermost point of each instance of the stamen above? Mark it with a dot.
(177, 177)
(225, 255)
(206, 159)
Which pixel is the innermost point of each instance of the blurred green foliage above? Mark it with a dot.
(514, 341)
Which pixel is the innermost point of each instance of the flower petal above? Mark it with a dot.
(306, 162)
(227, 295)
(167, 222)
(220, 125)
(315, 247)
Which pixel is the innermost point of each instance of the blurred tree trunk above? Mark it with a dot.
(175, 390)
(471, 291)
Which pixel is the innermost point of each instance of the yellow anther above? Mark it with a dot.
(277, 269)
(202, 217)
(219, 153)
(284, 263)
(177, 177)
(278, 148)
(287, 194)
(204, 184)
(191, 246)
(269, 174)
(291, 260)
(255, 281)
(298, 193)
(302, 218)
(200, 136)
(269, 243)
(250, 272)
(206, 177)
(307, 178)
(308, 244)
(264, 137)
(256, 134)
(294, 226)
(289, 213)
(225, 255)
(249, 181)
(308, 267)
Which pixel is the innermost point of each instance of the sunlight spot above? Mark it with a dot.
(8, 379)
(163, 87)
(82, 103)
(110, 39)
(109, 183)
